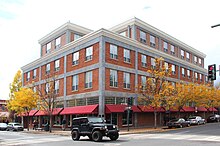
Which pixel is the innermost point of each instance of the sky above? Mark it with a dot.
(24, 22)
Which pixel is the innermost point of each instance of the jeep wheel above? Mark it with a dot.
(97, 136)
(114, 137)
(75, 135)
(90, 137)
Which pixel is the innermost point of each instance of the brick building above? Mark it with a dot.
(97, 70)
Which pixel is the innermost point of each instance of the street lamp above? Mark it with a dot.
(215, 25)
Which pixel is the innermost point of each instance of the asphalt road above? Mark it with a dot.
(203, 135)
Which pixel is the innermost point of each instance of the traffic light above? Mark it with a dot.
(130, 101)
(212, 72)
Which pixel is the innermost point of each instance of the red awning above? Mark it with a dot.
(150, 109)
(175, 109)
(188, 109)
(31, 113)
(117, 108)
(56, 111)
(201, 109)
(212, 109)
(89, 109)
(41, 113)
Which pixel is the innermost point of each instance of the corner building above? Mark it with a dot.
(97, 70)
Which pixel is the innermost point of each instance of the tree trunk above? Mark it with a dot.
(155, 119)
(28, 121)
(50, 126)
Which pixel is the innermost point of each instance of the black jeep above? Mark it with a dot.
(93, 127)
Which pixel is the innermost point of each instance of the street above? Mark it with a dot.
(203, 135)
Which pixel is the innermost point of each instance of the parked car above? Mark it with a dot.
(196, 120)
(3, 126)
(14, 127)
(178, 123)
(213, 118)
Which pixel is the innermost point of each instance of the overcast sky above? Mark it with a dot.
(24, 22)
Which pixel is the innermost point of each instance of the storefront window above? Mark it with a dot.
(124, 119)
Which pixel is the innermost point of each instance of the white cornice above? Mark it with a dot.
(62, 29)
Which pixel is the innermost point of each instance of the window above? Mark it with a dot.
(113, 78)
(196, 75)
(187, 56)
(56, 86)
(143, 81)
(165, 46)
(123, 33)
(183, 72)
(75, 83)
(172, 50)
(206, 78)
(127, 55)
(188, 73)
(126, 80)
(76, 58)
(143, 37)
(34, 89)
(48, 47)
(200, 61)
(57, 65)
(47, 68)
(144, 60)
(173, 84)
(89, 52)
(182, 54)
(152, 41)
(153, 65)
(195, 59)
(76, 36)
(173, 69)
(88, 81)
(200, 77)
(113, 51)
(28, 76)
(34, 73)
(47, 88)
(57, 43)
(166, 65)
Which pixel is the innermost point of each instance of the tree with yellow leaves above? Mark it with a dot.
(157, 91)
(23, 101)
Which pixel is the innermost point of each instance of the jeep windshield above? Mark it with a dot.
(96, 120)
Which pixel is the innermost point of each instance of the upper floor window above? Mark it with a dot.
(75, 83)
(88, 80)
(47, 88)
(34, 73)
(127, 55)
(166, 65)
(200, 77)
(206, 78)
(153, 64)
(89, 53)
(143, 81)
(123, 33)
(188, 73)
(152, 41)
(113, 78)
(165, 46)
(143, 36)
(173, 84)
(196, 75)
(57, 65)
(76, 36)
(172, 50)
(200, 61)
(57, 43)
(48, 68)
(187, 56)
(126, 80)
(195, 59)
(28, 76)
(144, 60)
(173, 69)
(48, 47)
(56, 86)
(34, 89)
(75, 58)
(183, 72)
(113, 51)
(182, 54)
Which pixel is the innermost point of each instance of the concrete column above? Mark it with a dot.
(68, 36)
(101, 77)
(64, 82)
(133, 30)
(179, 72)
(129, 32)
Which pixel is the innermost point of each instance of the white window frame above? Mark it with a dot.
(195, 59)
(58, 42)
(200, 61)
(152, 41)
(166, 65)
(143, 60)
(89, 53)
(75, 58)
(188, 73)
(183, 72)
(143, 81)
(75, 82)
(127, 55)
(47, 88)
(48, 68)
(187, 55)
(28, 76)
(173, 69)
(126, 80)
(200, 77)
(143, 36)
(196, 75)
(182, 54)
(48, 47)
(57, 65)
(34, 73)
(165, 46)
(172, 49)
(153, 64)
(88, 79)
(113, 78)
(56, 86)
(113, 51)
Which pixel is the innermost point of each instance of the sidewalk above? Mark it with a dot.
(121, 132)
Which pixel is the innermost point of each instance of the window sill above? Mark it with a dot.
(88, 60)
(113, 87)
(127, 62)
(127, 88)
(114, 59)
(88, 88)
(74, 91)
